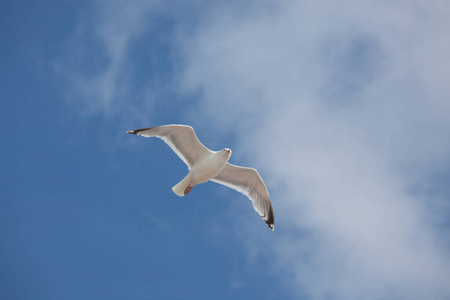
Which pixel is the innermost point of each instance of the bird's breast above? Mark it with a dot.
(209, 168)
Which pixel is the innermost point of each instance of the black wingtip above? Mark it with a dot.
(271, 220)
(138, 130)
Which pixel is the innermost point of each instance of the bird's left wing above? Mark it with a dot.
(182, 140)
(249, 182)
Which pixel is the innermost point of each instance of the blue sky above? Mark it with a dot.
(343, 109)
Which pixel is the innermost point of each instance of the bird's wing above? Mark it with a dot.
(182, 140)
(249, 182)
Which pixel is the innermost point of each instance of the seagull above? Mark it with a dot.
(206, 165)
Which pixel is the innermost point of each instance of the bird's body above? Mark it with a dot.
(207, 168)
(205, 165)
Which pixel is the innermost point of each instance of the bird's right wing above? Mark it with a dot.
(182, 140)
(248, 182)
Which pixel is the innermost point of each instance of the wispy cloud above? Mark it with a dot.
(100, 63)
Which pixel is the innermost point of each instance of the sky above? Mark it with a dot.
(343, 107)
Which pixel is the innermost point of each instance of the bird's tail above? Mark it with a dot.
(183, 187)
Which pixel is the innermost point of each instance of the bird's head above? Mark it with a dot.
(227, 151)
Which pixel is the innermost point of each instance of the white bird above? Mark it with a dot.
(204, 165)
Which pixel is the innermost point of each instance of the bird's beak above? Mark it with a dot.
(229, 151)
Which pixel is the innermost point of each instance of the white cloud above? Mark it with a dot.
(350, 103)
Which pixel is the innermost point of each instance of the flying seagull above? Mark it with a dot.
(204, 165)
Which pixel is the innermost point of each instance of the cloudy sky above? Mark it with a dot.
(343, 107)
